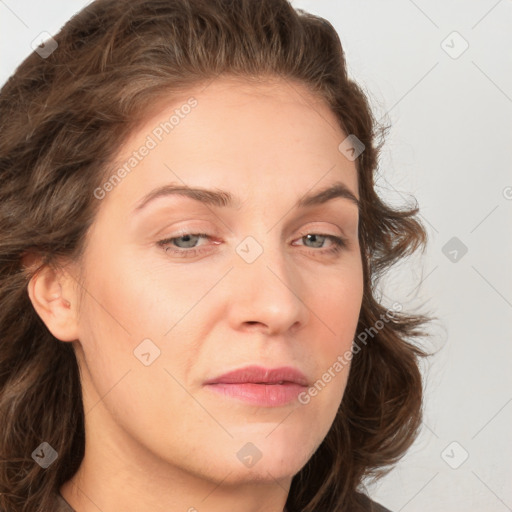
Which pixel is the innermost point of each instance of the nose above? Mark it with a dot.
(267, 295)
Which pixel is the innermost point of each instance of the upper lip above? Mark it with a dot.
(261, 375)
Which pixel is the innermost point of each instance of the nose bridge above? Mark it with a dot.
(267, 287)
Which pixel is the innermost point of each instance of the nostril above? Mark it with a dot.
(252, 323)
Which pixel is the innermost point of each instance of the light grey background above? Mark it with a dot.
(450, 147)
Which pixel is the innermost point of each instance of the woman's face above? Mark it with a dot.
(160, 320)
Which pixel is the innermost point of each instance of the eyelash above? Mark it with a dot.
(339, 243)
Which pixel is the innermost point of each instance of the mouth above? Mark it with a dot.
(267, 387)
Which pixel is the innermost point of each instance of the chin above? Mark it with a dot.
(267, 471)
(273, 458)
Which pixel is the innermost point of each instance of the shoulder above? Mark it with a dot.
(370, 505)
(61, 505)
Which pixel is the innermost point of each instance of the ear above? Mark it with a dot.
(53, 295)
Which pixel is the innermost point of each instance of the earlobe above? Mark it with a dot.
(51, 293)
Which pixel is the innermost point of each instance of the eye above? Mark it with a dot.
(185, 244)
(338, 243)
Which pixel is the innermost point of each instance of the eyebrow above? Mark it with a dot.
(223, 198)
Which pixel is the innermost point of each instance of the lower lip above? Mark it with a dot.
(268, 395)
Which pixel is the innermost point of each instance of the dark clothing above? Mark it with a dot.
(63, 506)
(373, 506)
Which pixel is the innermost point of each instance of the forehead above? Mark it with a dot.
(273, 135)
(270, 110)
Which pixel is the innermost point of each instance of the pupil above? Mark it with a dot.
(313, 236)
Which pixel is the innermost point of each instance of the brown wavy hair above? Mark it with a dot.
(63, 119)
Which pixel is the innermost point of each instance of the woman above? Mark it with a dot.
(190, 249)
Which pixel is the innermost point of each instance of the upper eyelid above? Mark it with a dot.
(339, 216)
(192, 229)
(209, 236)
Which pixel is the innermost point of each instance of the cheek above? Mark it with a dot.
(125, 316)
(130, 298)
(131, 310)
(336, 308)
(336, 301)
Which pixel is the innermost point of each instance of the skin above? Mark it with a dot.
(156, 438)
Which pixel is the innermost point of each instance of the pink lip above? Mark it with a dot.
(261, 386)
